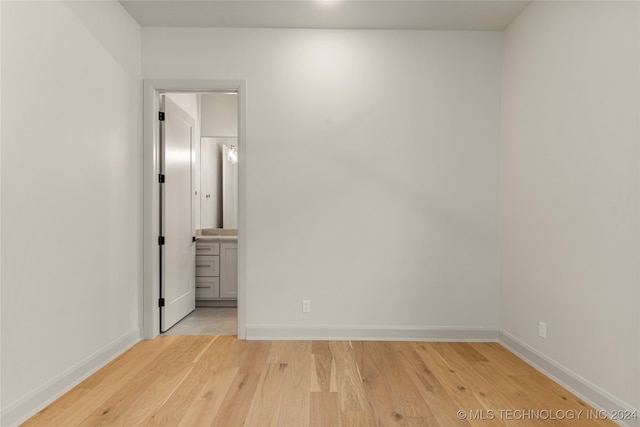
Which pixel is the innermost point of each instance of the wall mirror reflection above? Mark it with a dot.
(219, 160)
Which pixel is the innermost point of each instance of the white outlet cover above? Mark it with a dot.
(542, 330)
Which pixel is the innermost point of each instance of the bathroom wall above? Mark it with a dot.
(219, 114)
(219, 127)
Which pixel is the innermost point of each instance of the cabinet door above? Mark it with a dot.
(229, 270)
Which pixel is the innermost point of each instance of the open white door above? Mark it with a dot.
(177, 254)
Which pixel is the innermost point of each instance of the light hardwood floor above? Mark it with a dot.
(198, 381)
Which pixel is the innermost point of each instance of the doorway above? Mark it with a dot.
(199, 143)
(232, 149)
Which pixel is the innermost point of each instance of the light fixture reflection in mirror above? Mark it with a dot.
(232, 154)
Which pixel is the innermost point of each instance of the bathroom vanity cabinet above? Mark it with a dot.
(216, 270)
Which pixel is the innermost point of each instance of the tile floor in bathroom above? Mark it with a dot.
(208, 321)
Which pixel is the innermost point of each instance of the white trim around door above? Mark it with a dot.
(151, 292)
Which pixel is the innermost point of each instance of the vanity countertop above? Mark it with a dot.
(217, 235)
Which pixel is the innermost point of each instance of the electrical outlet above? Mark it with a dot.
(306, 306)
(542, 330)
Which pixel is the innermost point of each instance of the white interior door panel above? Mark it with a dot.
(178, 251)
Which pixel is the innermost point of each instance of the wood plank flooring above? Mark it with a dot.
(198, 381)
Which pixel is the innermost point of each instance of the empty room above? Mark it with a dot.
(320, 213)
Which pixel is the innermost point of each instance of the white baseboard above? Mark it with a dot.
(375, 333)
(27, 406)
(581, 387)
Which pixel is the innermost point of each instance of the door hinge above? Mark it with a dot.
(161, 240)
(193, 239)
(161, 116)
(161, 178)
(161, 302)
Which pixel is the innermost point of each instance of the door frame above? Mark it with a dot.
(150, 318)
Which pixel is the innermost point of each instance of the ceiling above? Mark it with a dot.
(328, 14)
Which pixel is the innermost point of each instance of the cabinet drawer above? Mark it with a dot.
(207, 287)
(207, 265)
(207, 248)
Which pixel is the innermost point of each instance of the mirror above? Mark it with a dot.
(230, 185)
(218, 160)
(218, 182)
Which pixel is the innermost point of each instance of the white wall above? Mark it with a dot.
(372, 172)
(71, 177)
(219, 114)
(570, 191)
(188, 102)
(0, 215)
